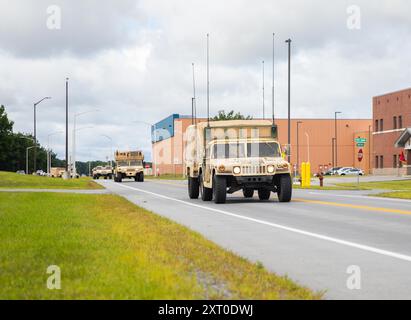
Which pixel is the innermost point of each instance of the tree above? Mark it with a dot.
(230, 116)
(6, 136)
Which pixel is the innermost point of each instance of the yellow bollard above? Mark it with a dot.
(308, 175)
(302, 173)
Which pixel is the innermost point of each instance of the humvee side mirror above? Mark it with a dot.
(274, 131)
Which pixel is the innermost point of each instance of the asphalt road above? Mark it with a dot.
(317, 239)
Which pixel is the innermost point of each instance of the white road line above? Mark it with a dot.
(278, 226)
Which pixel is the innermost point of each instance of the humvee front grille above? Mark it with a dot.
(253, 169)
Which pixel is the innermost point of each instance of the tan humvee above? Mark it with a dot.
(129, 164)
(57, 172)
(100, 171)
(228, 156)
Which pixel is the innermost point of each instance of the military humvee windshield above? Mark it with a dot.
(136, 163)
(263, 150)
(122, 163)
(254, 150)
(228, 150)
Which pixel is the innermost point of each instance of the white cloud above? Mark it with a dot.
(132, 61)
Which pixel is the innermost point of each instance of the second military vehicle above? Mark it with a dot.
(129, 164)
(228, 156)
(100, 171)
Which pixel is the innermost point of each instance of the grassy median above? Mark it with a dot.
(19, 181)
(108, 248)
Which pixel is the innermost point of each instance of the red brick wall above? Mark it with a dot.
(387, 107)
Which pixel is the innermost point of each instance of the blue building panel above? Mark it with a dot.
(163, 129)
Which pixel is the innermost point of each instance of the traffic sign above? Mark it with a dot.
(361, 140)
(360, 155)
(360, 145)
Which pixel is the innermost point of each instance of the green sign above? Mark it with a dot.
(360, 145)
(361, 140)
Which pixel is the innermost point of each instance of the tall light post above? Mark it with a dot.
(154, 165)
(335, 137)
(289, 98)
(73, 156)
(308, 146)
(263, 90)
(27, 158)
(35, 130)
(49, 150)
(67, 175)
(298, 146)
(111, 147)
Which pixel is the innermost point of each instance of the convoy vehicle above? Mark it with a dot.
(129, 164)
(57, 172)
(105, 172)
(228, 156)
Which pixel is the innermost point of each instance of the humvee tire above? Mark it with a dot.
(284, 188)
(193, 188)
(219, 189)
(110, 176)
(248, 193)
(119, 178)
(142, 177)
(105, 177)
(264, 194)
(206, 193)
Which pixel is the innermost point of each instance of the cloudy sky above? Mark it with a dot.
(131, 61)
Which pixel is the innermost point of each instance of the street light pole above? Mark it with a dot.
(67, 131)
(308, 146)
(289, 98)
(263, 90)
(111, 147)
(298, 146)
(335, 137)
(49, 151)
(35, 131)
(27, 158)
(73, 156)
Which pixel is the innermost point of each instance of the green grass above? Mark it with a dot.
(398, 195)
(400, 185)
(18, 181)
(108, 248)
(167, 177)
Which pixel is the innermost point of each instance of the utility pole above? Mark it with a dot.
(272, 102)
(263, 91)
(298, 146)
(67, 132)
(289, 99)
(335, 137)
(35, 131)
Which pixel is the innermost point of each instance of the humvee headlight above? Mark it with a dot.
(237, 170)
(270, 169)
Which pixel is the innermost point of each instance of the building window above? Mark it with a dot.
(394, 161)
(399, 122)
(376, 162)
(381, 162)
(376, 126)
(382, 125)
(394, 123)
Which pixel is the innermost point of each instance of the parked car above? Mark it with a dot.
(20, 172)
(342, 170)
(40, 173)
(352, 172)
(332, 171)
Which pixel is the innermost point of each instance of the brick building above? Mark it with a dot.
(391, 117)
(315, 142)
